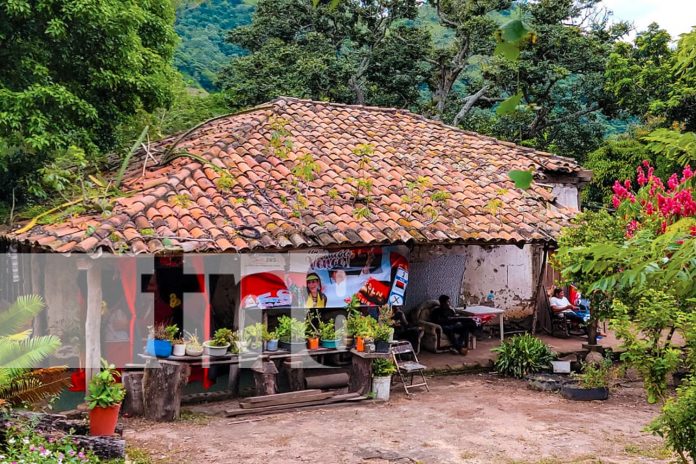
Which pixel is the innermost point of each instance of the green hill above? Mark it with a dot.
(202, 28)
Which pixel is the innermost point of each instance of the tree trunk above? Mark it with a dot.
(296, 377)
(163, 388)
(264, 377)
(133, 402)
(361, 376)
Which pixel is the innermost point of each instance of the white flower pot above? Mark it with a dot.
(215, 350)
(191, 351)
(381, 386)
(179, 350)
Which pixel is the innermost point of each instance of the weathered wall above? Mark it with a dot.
(63, 311)
(507, 270)
(567, 195)
(434, 271)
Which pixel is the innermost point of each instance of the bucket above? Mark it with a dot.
(381, 387)
(179, 350)
(329, 343)
(272, 345)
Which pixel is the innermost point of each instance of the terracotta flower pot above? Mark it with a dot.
(313, 343)
(102, 421)
(359, 344)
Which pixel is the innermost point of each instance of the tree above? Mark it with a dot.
(646, 281)
(72, 72)
(327, 52)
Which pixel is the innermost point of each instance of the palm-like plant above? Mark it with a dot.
(20, 352)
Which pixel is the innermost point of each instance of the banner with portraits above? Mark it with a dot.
(325, 278)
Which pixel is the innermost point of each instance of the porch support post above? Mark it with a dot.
(93, 319)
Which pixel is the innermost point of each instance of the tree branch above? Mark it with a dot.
(469, 102)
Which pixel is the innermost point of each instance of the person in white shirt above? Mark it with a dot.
(561, 305)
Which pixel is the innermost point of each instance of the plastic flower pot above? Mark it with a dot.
(272, 345)
(329, 343)
(359, 344)
(179, 350)
(381, 387)
(159, 348)
(576, 393)
(193, 351)
(381, 346)
(102, 421)
(215, 350)
(313, 343)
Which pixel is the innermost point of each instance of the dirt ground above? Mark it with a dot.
(476, 418)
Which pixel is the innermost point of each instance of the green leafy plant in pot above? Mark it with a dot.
(592, 383)
(253, 335)
(291, 333)
(270, 338)
(382, 371)
(382, 334)
(329, 335)
(522, 355)
(222, 340)
(104, 399)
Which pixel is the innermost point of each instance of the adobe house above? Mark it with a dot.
(303, 176)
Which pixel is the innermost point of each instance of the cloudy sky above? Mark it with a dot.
(677, 16)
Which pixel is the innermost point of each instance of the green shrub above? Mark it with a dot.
(522, 355)
(596, 375)
(676, 423)
(22, 444)
(103, 391)
(290, 329)
(383, 367)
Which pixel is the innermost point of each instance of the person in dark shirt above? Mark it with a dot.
(455, 327)
(402, 330)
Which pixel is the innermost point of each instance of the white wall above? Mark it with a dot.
(471, 272)
(567, 195)
(507, 270)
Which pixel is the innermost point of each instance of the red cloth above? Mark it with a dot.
(129, 274)
(199, 267)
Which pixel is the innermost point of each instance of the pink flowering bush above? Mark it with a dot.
(22, 445)
(654, 207)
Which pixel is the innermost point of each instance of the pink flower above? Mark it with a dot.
(687, 173)
(615, 201)
(673, 182)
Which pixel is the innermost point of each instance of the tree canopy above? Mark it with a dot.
(72, 71)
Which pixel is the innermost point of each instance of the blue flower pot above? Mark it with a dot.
(329, 343)
(159, 348)
(272, 345)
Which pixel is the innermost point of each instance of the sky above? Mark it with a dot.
(677, 16)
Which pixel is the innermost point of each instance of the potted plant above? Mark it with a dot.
(382, 333)
(328, 335)
(363, 328)
(382, 371)
(159, 342)
(253, 335)
(104, 400)
(270, 337)
(220, 342)
(291, 333)
(591, 384)
(312, 334)
(178, 347)
(193, 346)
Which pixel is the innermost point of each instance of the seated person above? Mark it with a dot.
(455, 327)
(561, 305)
(402, 330)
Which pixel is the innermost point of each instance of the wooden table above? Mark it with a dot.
(484, 311)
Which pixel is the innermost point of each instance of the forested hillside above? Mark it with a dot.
(202, 28)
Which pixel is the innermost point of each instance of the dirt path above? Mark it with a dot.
(464, 419)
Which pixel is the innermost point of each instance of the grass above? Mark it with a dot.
(195, 418)
(652, 452)
(138, 456)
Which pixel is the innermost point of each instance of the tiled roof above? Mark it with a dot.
(183, 204)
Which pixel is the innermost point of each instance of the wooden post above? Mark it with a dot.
(264, 377)
(93, 319)
(163, 387)
(133, 402)
(233, 379)
(295, 369)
